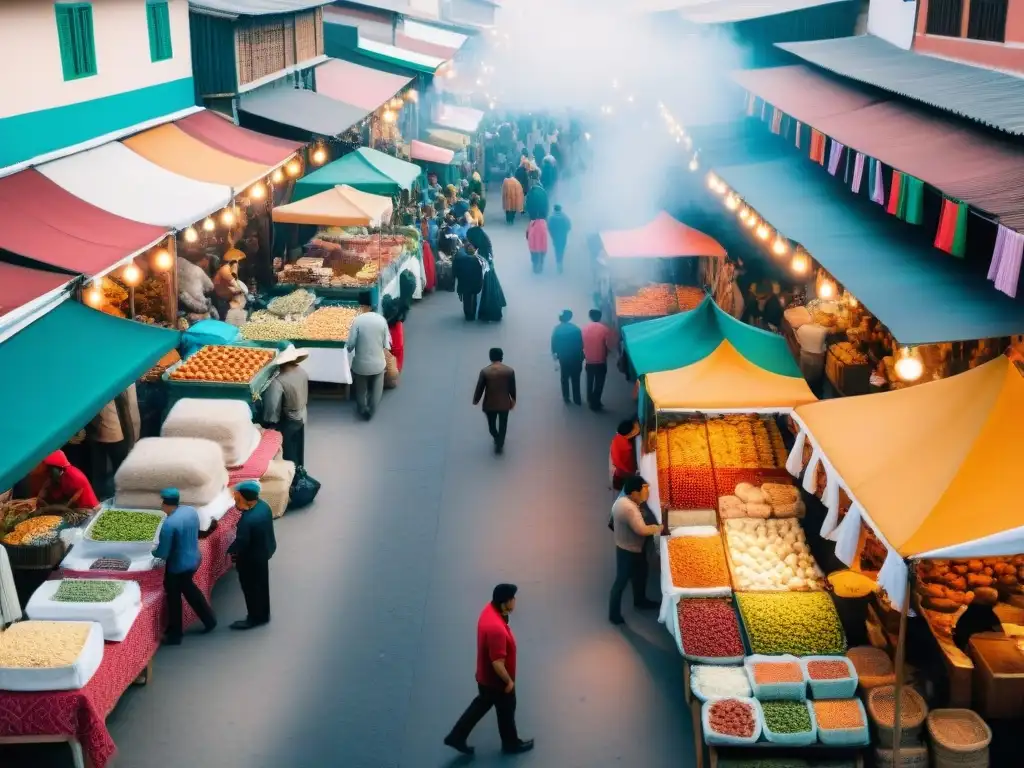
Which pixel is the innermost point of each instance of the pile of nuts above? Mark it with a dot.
(35, 531)
(797, 623)
(708, 629)
(43, 644)
(732, 717)
(838, 714)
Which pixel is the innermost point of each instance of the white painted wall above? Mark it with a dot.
(34, 80)
(893, 20)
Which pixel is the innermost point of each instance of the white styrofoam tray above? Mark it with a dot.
(130, 548)
(69, 678)
(42, 607)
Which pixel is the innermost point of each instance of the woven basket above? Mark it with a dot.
(910, 757)
(915, 710)
(959, 739)
(873, 666)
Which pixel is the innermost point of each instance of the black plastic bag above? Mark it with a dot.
(303, 491)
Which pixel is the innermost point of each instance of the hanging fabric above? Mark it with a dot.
(1006, 257)
(764, 109)
(831, 501)
(818, 147)
(799, 125)
(795, 460)
(10, 608)
(951, 236)
(834, 155)
(913, 199)
(896, 195)
(893, 578)
(847, 535)
(858, 173)
(751, 103)
(848, 168)
(875, 182)
(811, 473)
(776, 120)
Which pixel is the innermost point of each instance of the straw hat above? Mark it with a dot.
(292, 355)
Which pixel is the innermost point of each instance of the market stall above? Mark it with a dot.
(434, 159)
(655, 270)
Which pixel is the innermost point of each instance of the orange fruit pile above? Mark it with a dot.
(234, 365)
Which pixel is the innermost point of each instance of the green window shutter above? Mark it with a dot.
(77, 44)
(159, 20)
(87, 51)
(65, 36)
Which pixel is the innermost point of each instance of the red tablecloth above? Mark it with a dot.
(256, 466)
(82, 714)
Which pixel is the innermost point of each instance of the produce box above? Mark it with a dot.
(776, 677)
(113, 604)
(841, 722)
(693, 563)
(825, 676)
(130, 532)
(789, 723)
(732, 722)
(707, 631)
(255, 381)
(848, 379)
(797, 623)
(49, 655)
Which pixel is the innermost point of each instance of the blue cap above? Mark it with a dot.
(250, 489)
(170, 495)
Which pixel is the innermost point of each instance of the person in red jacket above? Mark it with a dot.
(66, 485)
(621, 456)
(495, 677)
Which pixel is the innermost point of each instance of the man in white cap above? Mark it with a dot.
(285, 400)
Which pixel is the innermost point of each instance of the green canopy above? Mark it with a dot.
(365, 169)
(60, 371)
(680, 340)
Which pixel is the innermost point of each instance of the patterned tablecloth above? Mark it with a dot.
(260, 460)
(82, 714)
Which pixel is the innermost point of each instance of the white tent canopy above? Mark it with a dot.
(114, 178)
(434, 35)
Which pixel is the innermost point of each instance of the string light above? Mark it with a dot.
(491, 105)
(801, 264)
(190, 235)
(278, 176)
(779, 247)
(94, 296)
(131, 275)
(319, 155)
(294, 168)
(586, 136)
(826, 289)
(762, 231)
(852, 300)
(752, 221)
(450, 74)
(412, 96)
(688, 142)
(162, 260)
(909, 366)
(228, 218)
(388, 116)
(732, 202)
(694, 165)
(258, 191)
(744, 214)
(712, 182)
(208, 225)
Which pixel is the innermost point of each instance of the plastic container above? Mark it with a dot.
(698, 692)
(840, 688)
(713, 737)
(132, 549)
(796, 691)
(845, 737)
(800, 739)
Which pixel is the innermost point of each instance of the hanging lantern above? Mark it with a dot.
(909, 366)
(162, 260)
(801, 264)
(228, 218)
(278, 176)
(779, 246)
(94, 296)
(131, 275)
(258, 191)
(190, 235)
(208, 225)
(294, 168)
(319, 156)
(762, 231)
(826, 289)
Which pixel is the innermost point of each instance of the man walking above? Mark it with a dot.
(496, 386)
(469, 277)
(495, 677)
(598, 341)
(367, 339)
(179, 549)
(251, 551)
(567, 349)
(631, 534)
(558, 227)
(284, 403)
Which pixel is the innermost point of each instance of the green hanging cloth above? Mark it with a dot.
(952, 233)
(912, 192)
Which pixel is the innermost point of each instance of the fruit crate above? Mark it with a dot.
(220, 390)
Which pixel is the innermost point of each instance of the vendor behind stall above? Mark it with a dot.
(284, 403)
(980, 616)
(65, 485)
(226, 285)
(113, 433)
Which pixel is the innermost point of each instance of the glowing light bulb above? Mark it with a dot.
(678, 140)
(208, 225)
(852, 300)
(712, 182)
(228, 218)
(190, 235)
(751, 222)
(479, 81)
(412, 96)
(762, 232)
(732, 202)
(908, 365)
(779, 247)
(258, 191)
(694, 165)
(294, 168)
(450, 74)
(800, 265)
(721, 188)
(826, 290)
(94, 296)
(319, 156)
(629, 99)
(131, 275)
(615, 83)
(586, 136)
(278, 176)
(162, 260)
(491, 105)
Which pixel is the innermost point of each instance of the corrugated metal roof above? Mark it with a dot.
(305, 110)
(989, 97)
(878, 258)
(235, 8)
(957, 158)
(732, 11)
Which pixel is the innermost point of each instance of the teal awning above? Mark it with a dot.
(677, 341)
(60, 371)
(365, 169)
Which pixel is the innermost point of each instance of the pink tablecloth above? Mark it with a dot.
(82, 714)
(256, 466)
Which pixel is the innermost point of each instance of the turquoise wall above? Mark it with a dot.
(23, 137)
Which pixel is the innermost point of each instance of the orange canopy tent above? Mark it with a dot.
(663, 237)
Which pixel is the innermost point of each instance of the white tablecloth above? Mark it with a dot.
(648, 466)
(328, 365)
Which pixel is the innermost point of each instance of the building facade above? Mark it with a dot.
(89, 71)
(989, 33)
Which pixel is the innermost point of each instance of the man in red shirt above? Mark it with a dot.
(621, 456)
(495, 677)
(65, 484)
(598, 341)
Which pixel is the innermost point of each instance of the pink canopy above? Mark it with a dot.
(421, 150)
(359, 86)
(663, 237)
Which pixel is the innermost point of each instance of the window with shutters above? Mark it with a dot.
(75, 35)
(986, 20)
(159, 30)
(944, 17)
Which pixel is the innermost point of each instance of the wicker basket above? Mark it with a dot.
(36, 557)
(910, 757)
(874, 668)
(959, 739)
(915, 710)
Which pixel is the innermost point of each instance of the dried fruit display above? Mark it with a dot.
(653, 300)
(690, 488)
(43, 644)
(786, 716)
(689, 297)
(771, 555)
(331, 323)
(661, 436)
(838, 714)
(714, 682)
(797, 623)
(732, 717)
(125, 525)
(746, 441)
(945, 586)
(848, 353)
(88, 591)
(828, 670)
(223, 364)
(688, 445)
(697, 562)
(708, 629)
(35, 531)
(298, 302)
